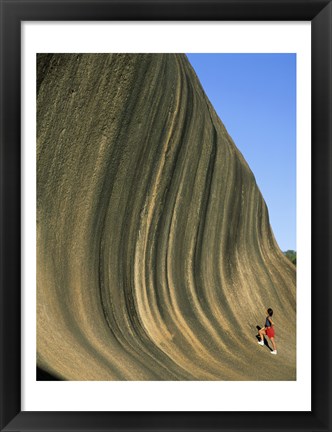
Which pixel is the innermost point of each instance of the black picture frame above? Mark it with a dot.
(319, 12)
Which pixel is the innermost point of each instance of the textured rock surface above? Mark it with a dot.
(155, 257)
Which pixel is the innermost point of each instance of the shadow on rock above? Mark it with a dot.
(42, 375)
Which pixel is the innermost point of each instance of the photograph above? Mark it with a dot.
(166, 217)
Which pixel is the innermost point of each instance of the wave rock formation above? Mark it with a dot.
(155, 256)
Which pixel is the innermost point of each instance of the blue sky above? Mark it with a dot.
(255, 97)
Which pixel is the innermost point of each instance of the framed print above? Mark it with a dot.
(137, 249)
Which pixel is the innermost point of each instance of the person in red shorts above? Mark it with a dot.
(268, 330)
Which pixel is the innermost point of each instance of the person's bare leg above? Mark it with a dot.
(261, 334)
(273, 344)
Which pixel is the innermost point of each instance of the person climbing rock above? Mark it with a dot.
(268, 330)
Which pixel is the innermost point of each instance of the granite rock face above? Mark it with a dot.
(155, 256)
